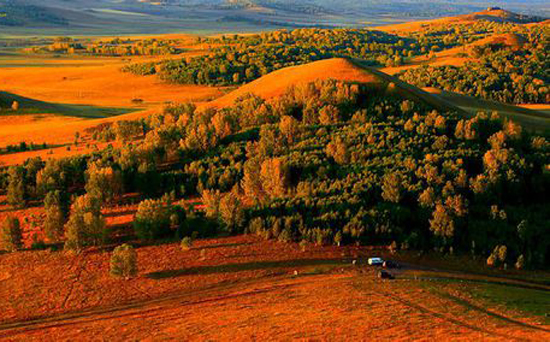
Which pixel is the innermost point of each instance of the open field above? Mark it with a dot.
(81, 97)
(227, 288)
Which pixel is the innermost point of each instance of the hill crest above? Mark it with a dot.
(342, 69)
(493, 15)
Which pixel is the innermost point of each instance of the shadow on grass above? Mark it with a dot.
(473, 307)
(121, 213)
(28, 105)
(513, 283)
(231, 268)
(221, 245)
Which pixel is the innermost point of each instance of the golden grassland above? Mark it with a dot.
(228, 288)
(85, 88)
(489, 15)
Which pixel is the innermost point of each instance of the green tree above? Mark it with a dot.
(274, 174)
(11, 235)
(231, 211)
(86, 224)
(16, 192)
(103, 183)
(158, 219)
(124, 262)
(55, 217)
(392, 187)
(442, 223)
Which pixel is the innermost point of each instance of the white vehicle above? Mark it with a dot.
(375, 261)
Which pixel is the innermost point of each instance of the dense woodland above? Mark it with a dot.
(327, 162)
(501, 73)
(242, 59)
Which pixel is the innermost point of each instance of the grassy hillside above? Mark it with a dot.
(533, 120)
(31, 106)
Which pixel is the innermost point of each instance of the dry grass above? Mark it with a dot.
(240, 288)
(99, 85)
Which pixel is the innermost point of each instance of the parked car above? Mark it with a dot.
(375, 261)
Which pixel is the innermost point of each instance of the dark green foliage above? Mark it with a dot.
(158, 219)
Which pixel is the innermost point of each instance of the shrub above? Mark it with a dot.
(338, 238)
(186, 243)
(124, 261)
(11, 237)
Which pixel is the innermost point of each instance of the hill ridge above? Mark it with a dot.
(342, 69)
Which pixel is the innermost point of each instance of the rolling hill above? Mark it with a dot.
(341, 69)
(353, 70)
(493, 15)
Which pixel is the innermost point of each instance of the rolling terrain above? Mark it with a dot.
(249, 210)
(107, 86)
(85, 17)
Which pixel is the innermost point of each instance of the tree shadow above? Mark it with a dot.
(473, 307)
(221, 245)
(232, 268)
(121, 213)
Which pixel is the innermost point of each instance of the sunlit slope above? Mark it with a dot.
(275, 83)
(531, 119)
(342, 69)
(497, 15)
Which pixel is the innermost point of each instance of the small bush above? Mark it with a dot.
(303, 245)
(124, 261)
(520, 263)
(186, 243)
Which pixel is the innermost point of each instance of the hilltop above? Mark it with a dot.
(340, 69)
(276, 83)
(491, 15)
